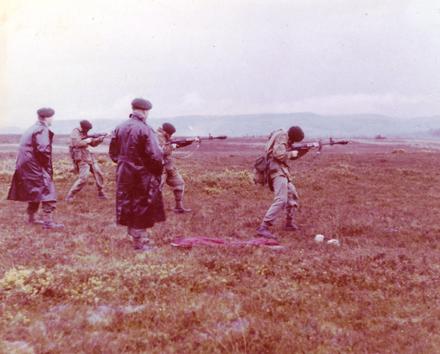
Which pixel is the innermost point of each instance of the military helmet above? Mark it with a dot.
(295, 134)
(168, 128)
(85, 125)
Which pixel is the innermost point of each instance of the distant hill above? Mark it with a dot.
(11, 130)
(314, 125)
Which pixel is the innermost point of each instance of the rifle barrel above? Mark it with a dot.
(220, 137)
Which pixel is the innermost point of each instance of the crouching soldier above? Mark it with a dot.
(134, 147)
(171, 175)
(33, 178)
(279, 152)
(84, 161)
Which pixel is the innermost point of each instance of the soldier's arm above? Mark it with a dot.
(280, 150)
(97, 141)
(76, 140)
(183, 144)
(42, 148)
(167, 149)
(113, 149)
(301, 152)
(165, 145)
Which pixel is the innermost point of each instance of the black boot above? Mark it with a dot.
(50, 224)
(291, 226)
(263, 231)
(141, 243)
(180, 209)
(33, 220)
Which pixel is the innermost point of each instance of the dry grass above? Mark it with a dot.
(84, 290)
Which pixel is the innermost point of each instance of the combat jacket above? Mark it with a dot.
(277, 149)
(167, 147)
(79, 149)
(33, 177)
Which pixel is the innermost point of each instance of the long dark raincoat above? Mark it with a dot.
(33, 177)
(134, 147)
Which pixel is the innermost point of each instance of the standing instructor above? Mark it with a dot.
(33, 177)
(134, 147)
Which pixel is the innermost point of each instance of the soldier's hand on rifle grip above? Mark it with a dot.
(88, 140)
(302, 151)
(184, 143)
(292, 154)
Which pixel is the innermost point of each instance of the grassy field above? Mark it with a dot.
(84, 290)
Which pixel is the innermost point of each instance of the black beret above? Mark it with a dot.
(169, 128)
(85, 125)
(140, 103)
(296, 134)
(45, 112)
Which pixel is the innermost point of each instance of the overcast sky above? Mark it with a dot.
(89, 58)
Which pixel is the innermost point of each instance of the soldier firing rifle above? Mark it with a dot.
(281, 147)
(171, 175)
(84, 161)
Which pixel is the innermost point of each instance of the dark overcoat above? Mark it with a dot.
(134, 147)
(33, 176)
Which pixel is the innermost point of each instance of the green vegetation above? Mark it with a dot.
(84, 290)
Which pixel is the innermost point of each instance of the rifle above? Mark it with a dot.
(188, 141)
(96, 135)
(304, 147)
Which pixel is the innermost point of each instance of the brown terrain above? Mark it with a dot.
(84, 290)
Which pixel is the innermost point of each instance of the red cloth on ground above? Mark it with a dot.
(188, 242)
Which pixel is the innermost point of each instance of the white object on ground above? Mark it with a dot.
(333, 242)
(319, 238)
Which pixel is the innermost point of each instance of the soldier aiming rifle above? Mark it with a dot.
(171, 176)
(83, 159)
(282, 147)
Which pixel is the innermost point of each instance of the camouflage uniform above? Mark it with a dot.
(280, 179)
(85, 163)
(171, 176)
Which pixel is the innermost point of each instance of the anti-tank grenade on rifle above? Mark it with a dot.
(304, 147)
(179, 143)
(261, 165)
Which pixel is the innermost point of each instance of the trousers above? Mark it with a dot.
(285, 197)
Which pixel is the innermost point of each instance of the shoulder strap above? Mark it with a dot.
(271, 142)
